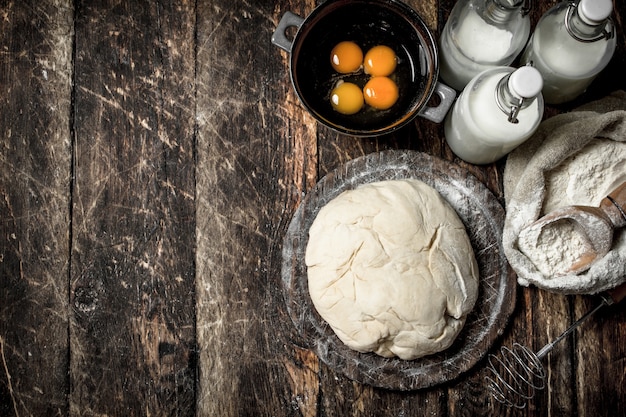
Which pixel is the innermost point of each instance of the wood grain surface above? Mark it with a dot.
(132, 321)
(152, 155)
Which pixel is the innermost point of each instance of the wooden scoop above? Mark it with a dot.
(594, 226)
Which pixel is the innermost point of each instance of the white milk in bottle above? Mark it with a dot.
(497, 111)
(481, 34)
(571, 44)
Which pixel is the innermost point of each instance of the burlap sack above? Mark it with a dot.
(557, 139)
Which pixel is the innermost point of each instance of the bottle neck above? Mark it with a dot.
(502, 11)
(584, 31)
(509, 103)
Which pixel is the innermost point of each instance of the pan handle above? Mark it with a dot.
(438, 113)
(279, 37)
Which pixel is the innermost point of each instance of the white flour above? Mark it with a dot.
(583, 179)
(587, 177)
(556, 249)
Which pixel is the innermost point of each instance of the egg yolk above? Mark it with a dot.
(346, 98)
(380, 92)
(346, 57)
(380, 61)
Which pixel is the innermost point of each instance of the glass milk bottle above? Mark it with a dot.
(571, 44)
(481, 34)
(498, 110)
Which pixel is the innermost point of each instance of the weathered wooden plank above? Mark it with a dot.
(256, 156)
(599, 355)
(132, 281)
(35, 97)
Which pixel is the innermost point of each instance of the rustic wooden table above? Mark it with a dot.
(152, 156)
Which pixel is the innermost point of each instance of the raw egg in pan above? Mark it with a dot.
(380, 61)
(346, 57)
(381, 92)
(346, 98)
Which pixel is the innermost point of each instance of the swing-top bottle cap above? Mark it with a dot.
(594, 12)
(526, 82)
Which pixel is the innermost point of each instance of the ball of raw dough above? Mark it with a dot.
(391, 269)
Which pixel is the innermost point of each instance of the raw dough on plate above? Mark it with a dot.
(391, 269)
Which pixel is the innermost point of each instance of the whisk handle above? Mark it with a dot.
(613, 296)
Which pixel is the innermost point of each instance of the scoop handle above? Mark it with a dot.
(614, 205)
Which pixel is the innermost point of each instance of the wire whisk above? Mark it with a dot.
(517, 373)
